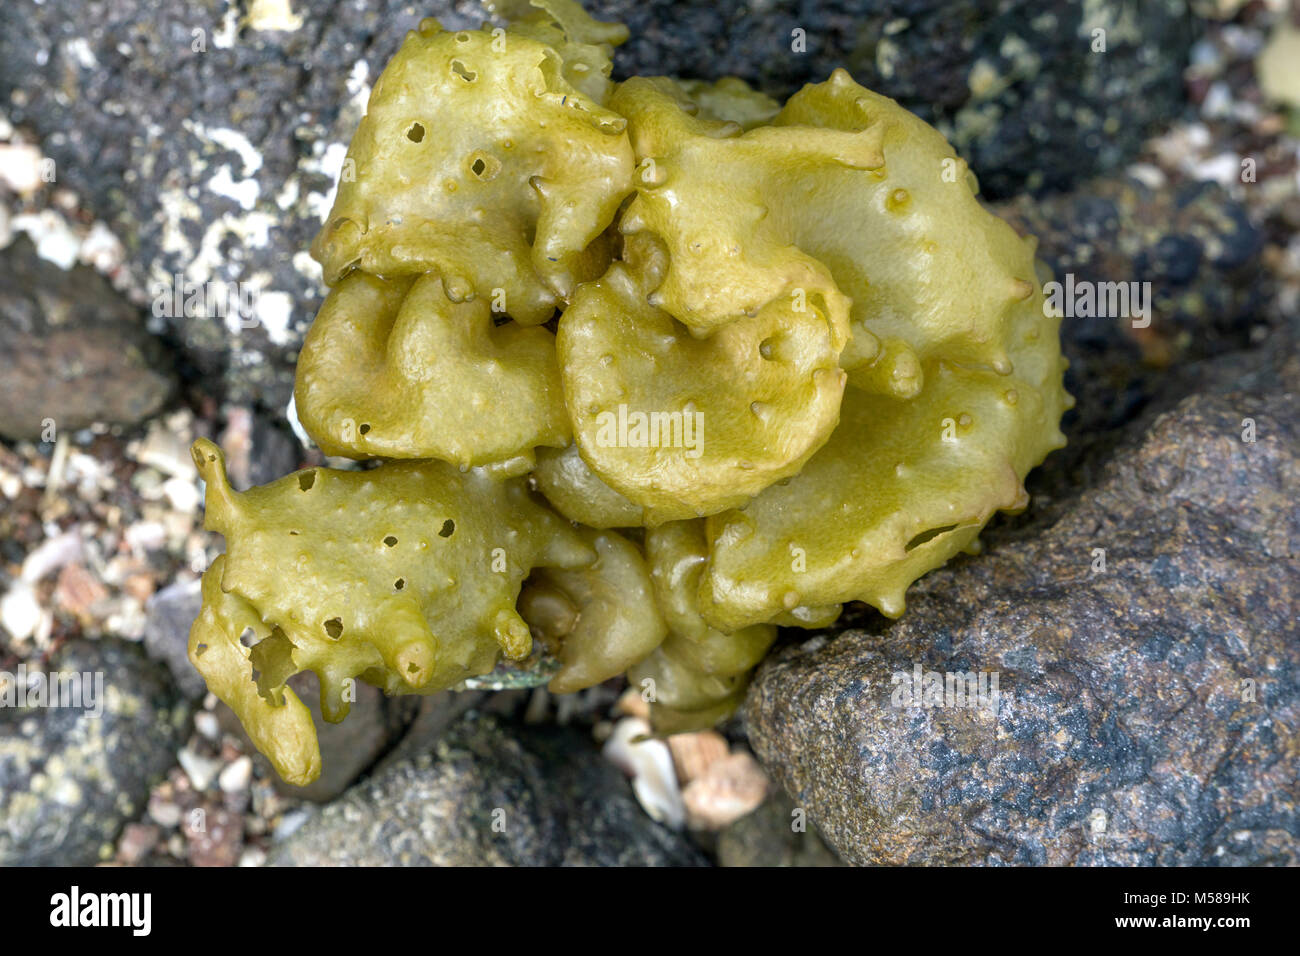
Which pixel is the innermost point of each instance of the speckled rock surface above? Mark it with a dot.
(1199, 252)
(1014, 84)
(1193, 243)
(212, 148)
(74, 351)
(1148, 711)
(548, 793)
(70, 780)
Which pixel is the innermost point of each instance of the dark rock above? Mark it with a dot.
(170, 614)
(75, 351)
(768, 837)
(1200, 254)
(69, 780)
(1013, 83)
(1148, 710)
(274, 453)
(143, 104)
(1192, 243)
(258, 449)
(489, 794)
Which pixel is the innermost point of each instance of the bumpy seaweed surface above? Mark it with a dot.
(650, 368)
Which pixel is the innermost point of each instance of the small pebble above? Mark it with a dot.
(236, 776)
(201, 770)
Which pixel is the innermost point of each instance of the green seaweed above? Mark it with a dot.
(539, 278)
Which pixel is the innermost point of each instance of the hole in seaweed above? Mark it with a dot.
(462, 37)
(415, 132)
(412, 668)
(200, 650)
(464, 72)
(484, 165)
(448, 529)
(334, 628)
(294, 533)
(926, 536)
(248, 638)
(364, 429)
(399, 584)
(390, 540)
(306, 479)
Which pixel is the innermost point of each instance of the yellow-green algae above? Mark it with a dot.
(814, 284)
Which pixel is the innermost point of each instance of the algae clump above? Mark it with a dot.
(644, 371)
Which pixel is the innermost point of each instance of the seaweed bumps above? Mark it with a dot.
(645, 371)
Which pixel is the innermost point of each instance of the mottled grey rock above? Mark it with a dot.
(489, 794)
(212, 149)
(1148, 711)
(170, 613)
(768, 837)
(74, 351)
(70, 780)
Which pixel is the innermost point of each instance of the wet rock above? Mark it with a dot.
(1146, 637)
(776, 834)
(1193, 243)
(489, 794)
(69, 780)
(75, 352)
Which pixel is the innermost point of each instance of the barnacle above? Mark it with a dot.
(796, 364)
